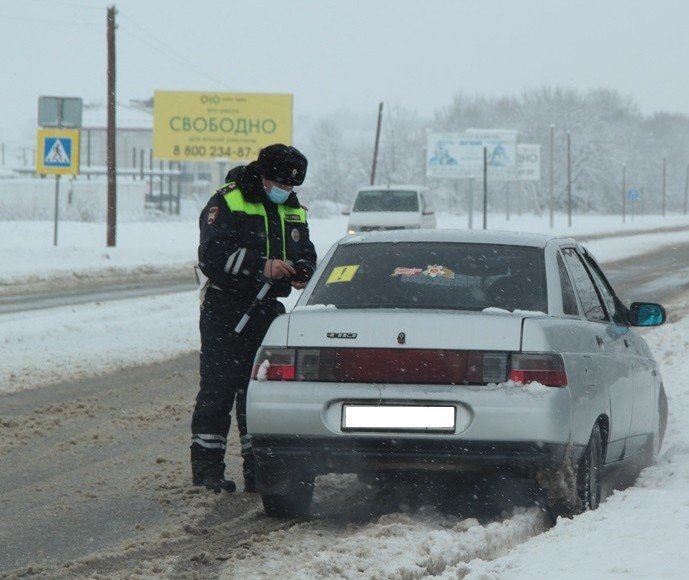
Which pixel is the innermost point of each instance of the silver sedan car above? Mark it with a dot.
(455, 352)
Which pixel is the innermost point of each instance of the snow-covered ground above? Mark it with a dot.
(641, 532)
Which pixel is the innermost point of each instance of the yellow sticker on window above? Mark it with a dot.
(342, 274)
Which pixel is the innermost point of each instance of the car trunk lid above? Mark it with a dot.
(405, 329)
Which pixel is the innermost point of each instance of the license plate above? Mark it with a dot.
(398, 417)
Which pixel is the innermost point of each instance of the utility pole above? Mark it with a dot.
(664, 182)
(551, 197)
(425, 159)
(111, 138)
(375, 148)
(624, 193)
(507, 204)
(88, 152)
(472, 180)
(485, 188)
(686, 190)
(569, 180)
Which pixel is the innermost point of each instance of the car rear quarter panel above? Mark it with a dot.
(572, 338)
(277, 332)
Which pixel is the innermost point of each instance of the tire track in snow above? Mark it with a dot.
(394, 545)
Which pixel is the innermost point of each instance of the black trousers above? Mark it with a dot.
(225, 367)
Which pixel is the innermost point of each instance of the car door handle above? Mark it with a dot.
(599, 340)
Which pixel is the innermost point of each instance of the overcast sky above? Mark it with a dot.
(342, 54)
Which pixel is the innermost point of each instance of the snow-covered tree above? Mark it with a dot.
(607, 132)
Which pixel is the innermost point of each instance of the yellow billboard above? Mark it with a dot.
(195, 126)
(57, 151)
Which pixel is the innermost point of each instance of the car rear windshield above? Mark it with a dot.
(386, 200)
(433, 275)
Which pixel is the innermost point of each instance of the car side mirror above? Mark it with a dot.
(646, 314)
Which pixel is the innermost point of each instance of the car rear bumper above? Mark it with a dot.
(486, 416)
(356, 454)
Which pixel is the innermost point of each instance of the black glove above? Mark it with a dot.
(304, 271)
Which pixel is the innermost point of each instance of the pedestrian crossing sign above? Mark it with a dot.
(58, 151)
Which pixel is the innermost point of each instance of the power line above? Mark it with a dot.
(49, 21)
(168, 52)
(73, 4)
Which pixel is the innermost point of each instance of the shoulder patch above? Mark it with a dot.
(290, 217)
(212, 215)
(229, 186)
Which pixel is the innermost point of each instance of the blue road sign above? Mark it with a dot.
(633, 194)
(58, 152)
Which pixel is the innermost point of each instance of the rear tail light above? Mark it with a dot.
(384, 365)
(545, 368)
(381, 365)
(274, 364)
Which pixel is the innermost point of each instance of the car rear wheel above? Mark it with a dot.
(573, 489)
(296, 503)
(590, 472)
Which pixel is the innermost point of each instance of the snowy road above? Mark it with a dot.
(84, 295)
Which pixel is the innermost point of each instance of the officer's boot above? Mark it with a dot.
(208, 469)
(249, 474)
(249, 467)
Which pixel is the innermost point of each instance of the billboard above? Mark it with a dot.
(196, 126)
(528, 162)
(460, 155)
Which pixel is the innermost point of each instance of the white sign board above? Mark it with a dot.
(528, 162)
(459, 155)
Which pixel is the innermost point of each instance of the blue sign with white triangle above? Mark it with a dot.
(58, 152)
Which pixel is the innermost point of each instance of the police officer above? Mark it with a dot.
(253, 230)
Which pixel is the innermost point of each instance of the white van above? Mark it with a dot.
(391, 207)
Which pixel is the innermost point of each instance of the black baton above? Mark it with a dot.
(254, 305)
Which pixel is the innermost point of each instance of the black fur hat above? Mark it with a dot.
(282, 163)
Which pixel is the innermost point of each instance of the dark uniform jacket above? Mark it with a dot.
(241, 229)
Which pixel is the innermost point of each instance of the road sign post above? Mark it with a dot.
(633, 196)
(57, 208)
(57, 150)
(57, 153)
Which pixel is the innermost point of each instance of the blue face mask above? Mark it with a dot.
(277, 195)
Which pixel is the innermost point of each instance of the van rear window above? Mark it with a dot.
(386, 200)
